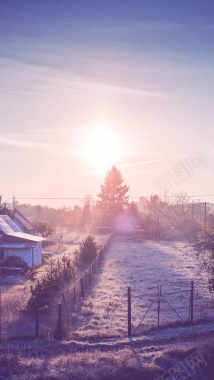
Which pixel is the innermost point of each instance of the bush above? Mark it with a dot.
(15, 262)
(51, 283)
(87, 251)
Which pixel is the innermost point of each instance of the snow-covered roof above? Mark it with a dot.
(17, 216)
(7, 225)
(24, 236)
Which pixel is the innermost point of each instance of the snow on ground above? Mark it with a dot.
(143, 265)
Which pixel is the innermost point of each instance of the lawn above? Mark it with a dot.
(143, 266)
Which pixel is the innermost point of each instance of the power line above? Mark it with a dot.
(193, 196)
(92, 197)
(45, 198)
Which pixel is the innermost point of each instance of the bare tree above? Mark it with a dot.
(156, 211)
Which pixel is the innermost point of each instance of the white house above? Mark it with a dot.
(14, 242)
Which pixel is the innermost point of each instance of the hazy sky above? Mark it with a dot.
(85, 84)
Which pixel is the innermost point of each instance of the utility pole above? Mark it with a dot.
(205, 213)
(13, 203)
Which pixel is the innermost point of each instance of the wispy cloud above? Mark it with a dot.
(29, 79)
(7, 141)
(149, 161)
(143, 27)
(118, 89)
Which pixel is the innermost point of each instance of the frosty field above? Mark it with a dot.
(142, 266)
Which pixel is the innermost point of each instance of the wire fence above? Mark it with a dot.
(126, 311)
(186, 304)
(52, 321)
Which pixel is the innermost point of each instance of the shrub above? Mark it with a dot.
(87, 250)
(51, 283)
(15, 262)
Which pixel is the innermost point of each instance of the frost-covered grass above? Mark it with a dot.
(48, 359)
(143, 265)
(15, 321)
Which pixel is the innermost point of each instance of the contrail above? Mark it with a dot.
(149, 161)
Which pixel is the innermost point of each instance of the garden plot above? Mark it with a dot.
(144, 266)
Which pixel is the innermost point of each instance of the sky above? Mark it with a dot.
(87, 84)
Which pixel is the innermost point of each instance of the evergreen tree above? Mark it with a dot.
(5, 210)
(113, 195)
(86, 212)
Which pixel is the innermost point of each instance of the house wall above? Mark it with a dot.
(24, 253)
(37, 255)
(32, 256)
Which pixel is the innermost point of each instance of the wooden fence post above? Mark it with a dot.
(59, 324)
(37, 317)
(159, 298)
(82, 287)
(0, 316)
(191, 302)
(129, 313)
(90, 274)
(86, 280)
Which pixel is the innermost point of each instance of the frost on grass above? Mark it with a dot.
(144, 267)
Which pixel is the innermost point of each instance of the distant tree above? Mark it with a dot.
(185, 215)
(97, 215)
(4, 209)
(43, 229)
(77, 213)
(156, 208)
(133, 213)
(204, 248)
(180, 210)
(149, 226)
(113, 195)
(87, 211)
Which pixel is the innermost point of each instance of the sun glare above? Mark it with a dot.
(103, 148)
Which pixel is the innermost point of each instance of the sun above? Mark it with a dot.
(103, 148)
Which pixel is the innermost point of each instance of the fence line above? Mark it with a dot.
(191, 307)
(79, 290)
(37, 323)
(162, 304)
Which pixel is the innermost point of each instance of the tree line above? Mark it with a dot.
(155, 217)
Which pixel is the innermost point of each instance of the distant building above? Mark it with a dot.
(23, 223)
(15, 242)
(142, 205)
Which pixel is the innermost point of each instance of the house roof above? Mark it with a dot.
(21, 219)
(15, 245)
(7, 225)
(24, 236)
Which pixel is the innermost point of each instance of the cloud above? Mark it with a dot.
(7, 141)
(149, 161)
(143, 27)
(118, 89)
(21, 78)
